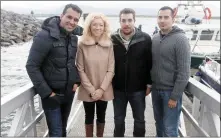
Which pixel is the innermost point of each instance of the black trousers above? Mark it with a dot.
(89, 108)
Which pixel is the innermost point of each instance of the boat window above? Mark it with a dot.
(206, 35)
(195, 32)
(217, 36)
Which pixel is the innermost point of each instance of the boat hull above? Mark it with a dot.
(196, 61)
(210, 81)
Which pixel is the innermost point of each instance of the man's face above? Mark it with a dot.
(69, 20)
(127, 23)
(165, 20)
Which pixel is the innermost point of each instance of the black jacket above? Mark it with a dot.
(132, 67)
(51, 61)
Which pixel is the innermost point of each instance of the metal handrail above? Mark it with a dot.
(19, 97)
(207, 96)
(22, 96)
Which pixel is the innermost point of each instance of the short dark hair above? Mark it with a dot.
(127, 11)
(73, 7)
(167, 8)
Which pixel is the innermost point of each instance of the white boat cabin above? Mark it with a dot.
(203, 38)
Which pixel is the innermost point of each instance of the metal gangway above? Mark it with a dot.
(199, 118)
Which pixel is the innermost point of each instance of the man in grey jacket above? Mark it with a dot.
(170, 73)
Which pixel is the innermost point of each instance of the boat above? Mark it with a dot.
(204, 41)
(209, 72)
(192, 13)
(204, 38)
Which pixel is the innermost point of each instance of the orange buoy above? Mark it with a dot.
(209, 13)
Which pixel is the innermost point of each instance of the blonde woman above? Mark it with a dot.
(95, 63)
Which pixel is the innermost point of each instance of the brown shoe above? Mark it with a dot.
(89, 130)
(100, 129)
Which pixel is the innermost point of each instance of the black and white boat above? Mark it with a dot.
(209, 72)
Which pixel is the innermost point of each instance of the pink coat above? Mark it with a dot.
(95, 64)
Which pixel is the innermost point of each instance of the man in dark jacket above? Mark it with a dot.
(132, 82)
(170, 73)
(51, 67)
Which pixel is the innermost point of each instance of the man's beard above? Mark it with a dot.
(127, 33)
(166, 30)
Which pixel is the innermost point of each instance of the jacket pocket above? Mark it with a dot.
(59, 50)
(55, 99)
(51, 102)
(58, 44)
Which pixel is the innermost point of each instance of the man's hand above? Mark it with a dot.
(148, 91)
(52, 94)
(75, 86)
(172, 103)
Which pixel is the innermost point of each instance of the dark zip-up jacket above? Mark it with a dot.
(51, 61)
(132, 66)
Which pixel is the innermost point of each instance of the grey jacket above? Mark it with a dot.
(171, 62)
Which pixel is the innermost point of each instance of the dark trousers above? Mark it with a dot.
(89, 108)
(137, 102)
(57, 115)
(167, 119)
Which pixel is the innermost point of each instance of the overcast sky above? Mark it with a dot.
(21, 6)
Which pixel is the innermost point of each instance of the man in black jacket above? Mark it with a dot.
(132, 82)
(51, 67)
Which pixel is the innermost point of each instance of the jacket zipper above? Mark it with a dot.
(67, 46)
(126, 64)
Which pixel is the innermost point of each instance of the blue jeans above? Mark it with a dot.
(57, 117)
(137, 102)
(167, 119)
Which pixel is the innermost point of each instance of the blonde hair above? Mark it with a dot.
(87, 34)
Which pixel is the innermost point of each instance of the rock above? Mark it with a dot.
(18, 40)
(5, 44)
(17, 28)
(13, 42)
(27, 38)
(17, 35)
(13, 37)
(6, 23)
(19, 25)
(6, 40)
(4, 35)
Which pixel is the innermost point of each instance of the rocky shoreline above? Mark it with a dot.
(17, 28)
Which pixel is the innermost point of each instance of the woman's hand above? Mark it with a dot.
(98, 94)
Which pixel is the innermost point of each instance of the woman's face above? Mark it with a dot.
(97, 27)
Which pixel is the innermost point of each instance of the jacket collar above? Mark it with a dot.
(52, 26)
(137, 37)
(91, 42)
